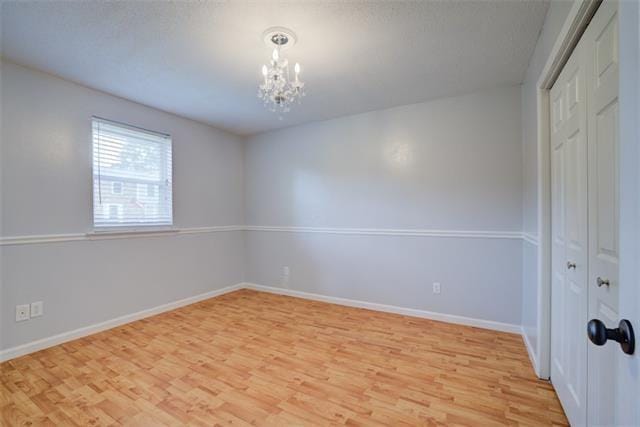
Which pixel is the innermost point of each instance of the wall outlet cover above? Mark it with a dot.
(22, 312)
(37, 309)
(436, 288)
(285, 276)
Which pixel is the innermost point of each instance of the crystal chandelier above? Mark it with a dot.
(279, 91)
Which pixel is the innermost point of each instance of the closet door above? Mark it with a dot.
(602, 97)
(569, 238)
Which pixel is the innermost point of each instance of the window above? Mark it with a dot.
(140, 191)
(116, 187)
(129, 163)
(113, 211)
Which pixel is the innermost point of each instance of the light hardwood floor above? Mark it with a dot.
(256, 358)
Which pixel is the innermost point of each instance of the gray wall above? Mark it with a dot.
(46, 189)
(450, 164)
(556, 15)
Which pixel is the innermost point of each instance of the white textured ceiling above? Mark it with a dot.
(202, 59)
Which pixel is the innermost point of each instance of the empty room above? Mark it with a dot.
(314, 213)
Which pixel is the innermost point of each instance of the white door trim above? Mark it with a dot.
(573, 28)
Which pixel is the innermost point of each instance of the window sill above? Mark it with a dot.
(105, 233)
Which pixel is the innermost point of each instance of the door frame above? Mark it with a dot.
(574, 26)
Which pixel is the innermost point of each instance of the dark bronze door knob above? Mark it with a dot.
(623, 334)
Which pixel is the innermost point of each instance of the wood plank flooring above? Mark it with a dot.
(253, 358)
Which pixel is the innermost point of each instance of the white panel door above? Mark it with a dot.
(601, 70)
(569, 239)
(585, 229)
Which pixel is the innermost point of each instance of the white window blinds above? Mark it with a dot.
(131, 176)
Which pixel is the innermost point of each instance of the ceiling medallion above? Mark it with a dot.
(279, 91)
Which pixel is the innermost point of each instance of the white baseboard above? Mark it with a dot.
(449, 318)
(21, 350)
(532, 354)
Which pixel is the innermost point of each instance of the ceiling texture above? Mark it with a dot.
(202, 59)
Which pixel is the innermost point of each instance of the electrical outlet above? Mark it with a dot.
(37, 309)
(436, 287)
(22, 312)
(285, 275)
